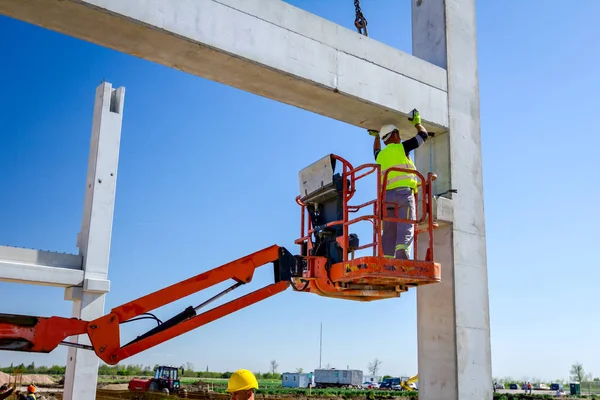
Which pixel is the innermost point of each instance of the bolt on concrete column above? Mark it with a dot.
(95, 236)
(453, 316)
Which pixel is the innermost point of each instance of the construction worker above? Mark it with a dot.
(242, 385)
(5, 392)
(31, 392)
(401, 186)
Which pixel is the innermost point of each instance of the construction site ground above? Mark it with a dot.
(113, 388)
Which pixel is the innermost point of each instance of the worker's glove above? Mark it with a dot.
(373, 132)
(414, 117)
(431, 134)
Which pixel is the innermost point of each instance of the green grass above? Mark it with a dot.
(262, 383)
(273, 387)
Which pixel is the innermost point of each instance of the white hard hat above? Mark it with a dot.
(386, 130)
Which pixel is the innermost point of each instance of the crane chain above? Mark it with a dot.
(360, 22)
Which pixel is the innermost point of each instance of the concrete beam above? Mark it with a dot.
(39, 267)
(94, 238)
(266, 47)
(453, 316)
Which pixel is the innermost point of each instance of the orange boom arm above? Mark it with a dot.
(42, 335)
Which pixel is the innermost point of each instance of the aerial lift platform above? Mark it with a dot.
(326, 266)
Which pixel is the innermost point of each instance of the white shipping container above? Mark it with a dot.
(295, 379)
(338, 377)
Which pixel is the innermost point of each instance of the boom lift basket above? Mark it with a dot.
(327, 248)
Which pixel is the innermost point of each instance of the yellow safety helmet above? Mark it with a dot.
(242, 379)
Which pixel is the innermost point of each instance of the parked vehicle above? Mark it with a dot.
(166, 380)
(556, 386)
(390, 383)
(513, 386)
(370, 382)
(370, 385)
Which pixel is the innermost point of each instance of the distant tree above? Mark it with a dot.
(274, 366)
(299, 370)
(577, 372)
(374, 366)
(188, 370)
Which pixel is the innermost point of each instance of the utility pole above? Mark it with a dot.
(321, 346)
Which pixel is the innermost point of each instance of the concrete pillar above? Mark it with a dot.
(453, 316)
(94, 238)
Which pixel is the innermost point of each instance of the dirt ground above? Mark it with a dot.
(27, 379)
(114, 386)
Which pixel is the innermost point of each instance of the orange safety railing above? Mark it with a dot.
(351, 175)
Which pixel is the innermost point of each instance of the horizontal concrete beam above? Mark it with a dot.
(266, 47)
(39, 267)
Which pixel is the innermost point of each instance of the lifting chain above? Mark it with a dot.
(360, 22)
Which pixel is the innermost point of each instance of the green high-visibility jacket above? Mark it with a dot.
(393, 155)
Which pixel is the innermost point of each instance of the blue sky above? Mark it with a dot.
(208, 173)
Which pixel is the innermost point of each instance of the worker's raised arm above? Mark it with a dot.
(5, 395)
(421, 136)
(376, 142)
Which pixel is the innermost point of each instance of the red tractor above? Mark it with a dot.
(166, 380)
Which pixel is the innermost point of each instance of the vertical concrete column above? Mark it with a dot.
(94, 238)
(453, 316)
